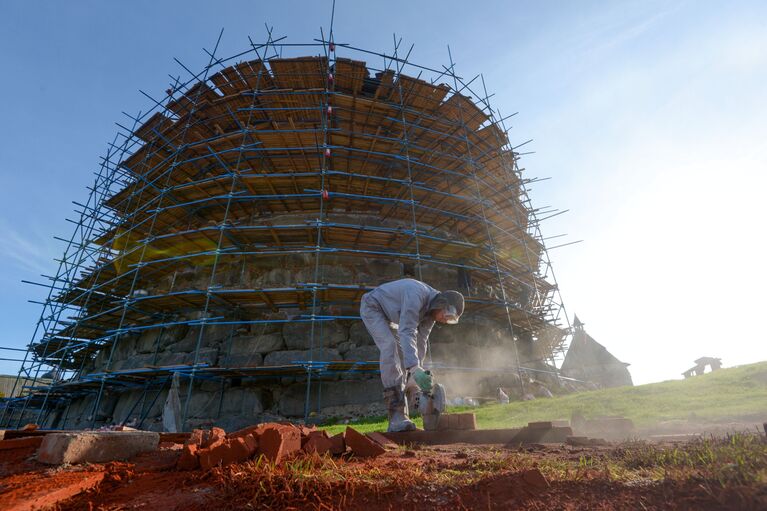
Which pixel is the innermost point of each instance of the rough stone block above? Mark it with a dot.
(279, 358)
(244, 360)
(298, 335)
(361, 445)
(255, 344)
(363, 392)
(95, 446)
(359, 335)
(363, 353)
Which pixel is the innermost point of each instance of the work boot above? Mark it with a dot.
(397, 409)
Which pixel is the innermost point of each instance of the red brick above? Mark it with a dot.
(196, 437)
(213, 436)
(361, 445)
(534, 480)
(188, 459)
(18, 443)
(466, 421)
(318, 444)
(540, 425)
(338, 444)
(249, 430)
(252, 442)
(30, 427)
(444, 422)
(238, 451)
(220, 453)
(279, 441)
(381, 439)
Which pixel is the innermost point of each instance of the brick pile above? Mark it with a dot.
(276, 442)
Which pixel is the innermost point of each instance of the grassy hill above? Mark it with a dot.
(735, 392)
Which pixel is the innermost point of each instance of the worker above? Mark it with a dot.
(413, 307)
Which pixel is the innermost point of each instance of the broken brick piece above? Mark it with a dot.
(338, 444)
(249, 430)
(196, 437)
(251, 442)
(238, 451)
(224, 452)
(18, 443)
(278, 441)
(188, 459)
(305, 436)
(361, 445)
(213, 436)
(30, 427)
(381, 440)
(318, 444)
(535, 480)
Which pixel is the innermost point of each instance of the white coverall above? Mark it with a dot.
(403, 302)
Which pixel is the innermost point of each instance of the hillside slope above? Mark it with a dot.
(737, 392)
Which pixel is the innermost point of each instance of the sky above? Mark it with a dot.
(649, 118)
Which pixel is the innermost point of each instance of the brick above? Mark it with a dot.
(196, 437)
(361, 445)
(381, 440)
(213, 436)
(251, 442)
(318, 444)
(338, 444)
(456, 421)
(30, 427)
(464, 421)
(249, 430)
(188, 459)
(311, 433)
(540, 425)
(278, 442)
(20, 443)
(67, 485)
(95, 446)
(238, 451)
(577, 440)
(534, 480)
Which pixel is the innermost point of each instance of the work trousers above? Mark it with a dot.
(387, 342)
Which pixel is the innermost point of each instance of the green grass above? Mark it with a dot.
(735, 392)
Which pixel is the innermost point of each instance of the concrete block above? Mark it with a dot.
(95, 446)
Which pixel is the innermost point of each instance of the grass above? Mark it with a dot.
(735, 392)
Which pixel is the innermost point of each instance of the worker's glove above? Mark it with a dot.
(422, 378)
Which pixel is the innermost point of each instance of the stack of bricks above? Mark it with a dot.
(274, 441)
(457, 421)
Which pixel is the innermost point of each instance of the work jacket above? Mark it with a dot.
(406, 303)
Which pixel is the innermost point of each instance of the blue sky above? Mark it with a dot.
(650, 117)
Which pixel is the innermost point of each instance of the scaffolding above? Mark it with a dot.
(288, 152)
